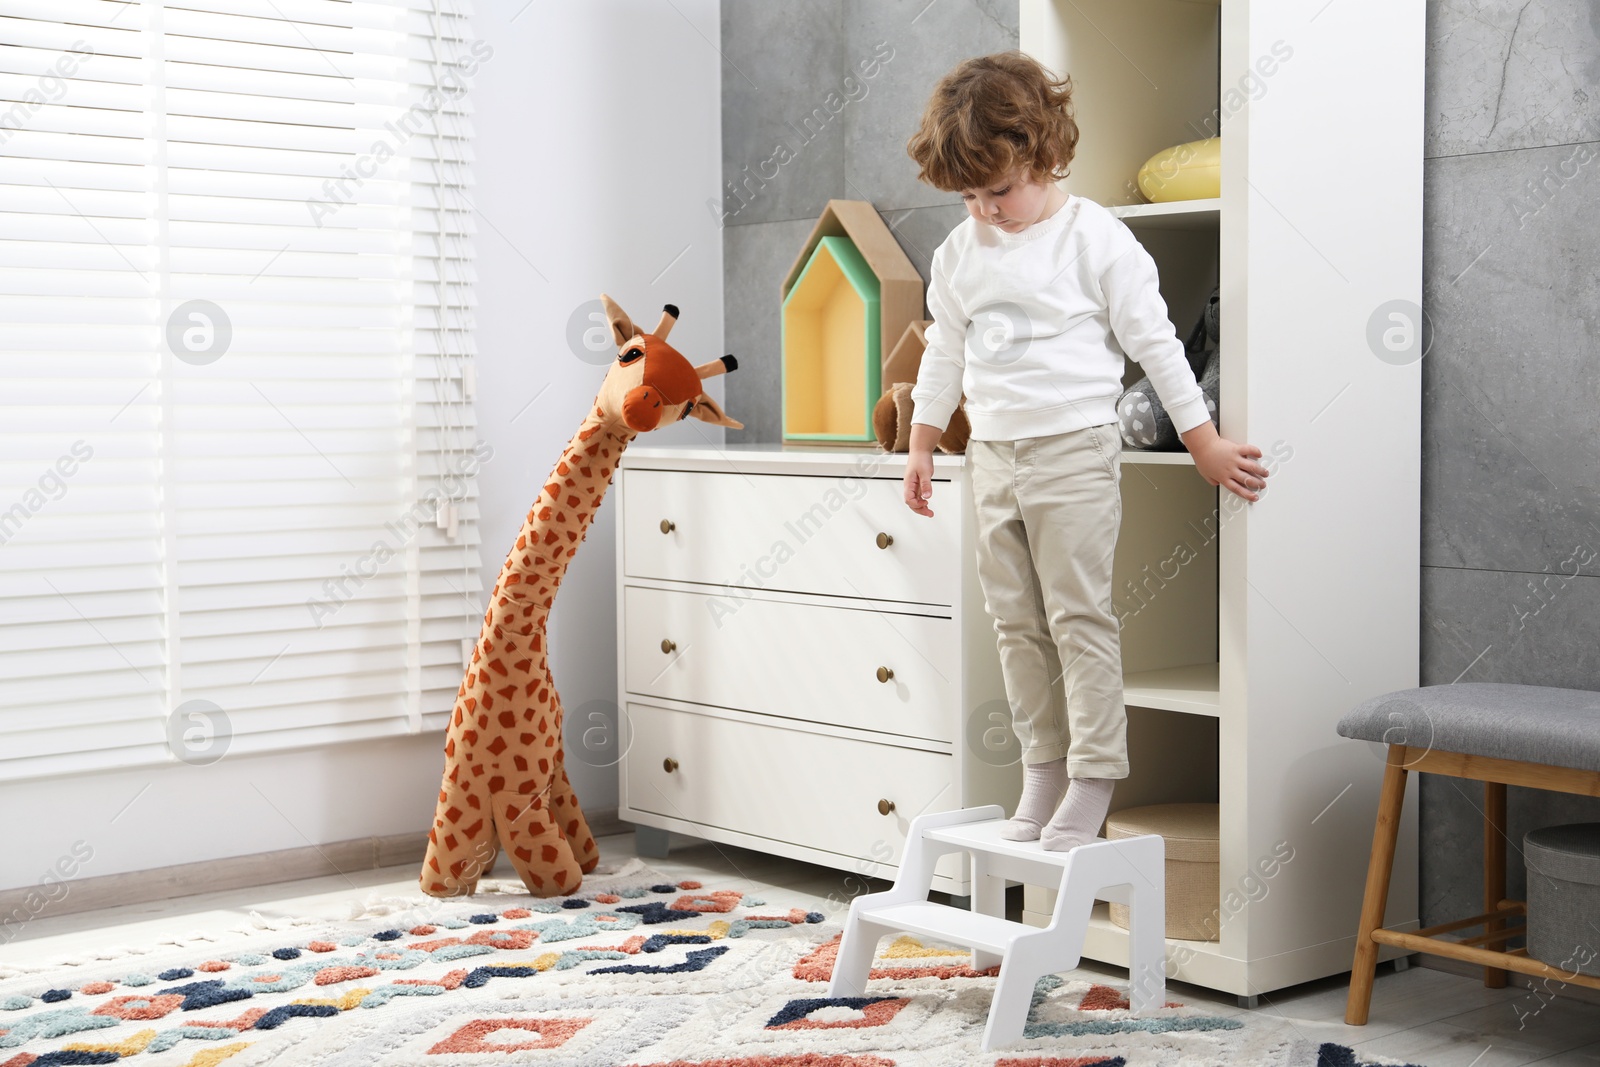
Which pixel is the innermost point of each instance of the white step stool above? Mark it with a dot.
(1131, 871)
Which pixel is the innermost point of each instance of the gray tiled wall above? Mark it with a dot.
(1511, 275)
(1511, 387)
(789, 112)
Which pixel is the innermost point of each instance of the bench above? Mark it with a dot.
(1499, 734)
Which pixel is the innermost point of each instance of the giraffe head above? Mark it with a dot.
(651, 383)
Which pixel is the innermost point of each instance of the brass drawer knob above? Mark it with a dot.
(885, 807)
(885, 673)
(885, 540)
(667, 526)
(669, 764)
(667, 645)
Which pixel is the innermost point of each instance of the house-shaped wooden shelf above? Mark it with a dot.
(905, 358)
(846, 301)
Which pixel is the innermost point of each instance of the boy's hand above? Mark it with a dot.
(919, 482)
(1223, 462)
(919, 467)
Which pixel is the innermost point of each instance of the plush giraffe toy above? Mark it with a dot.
(505, 785)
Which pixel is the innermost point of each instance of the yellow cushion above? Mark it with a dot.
(1190, 171)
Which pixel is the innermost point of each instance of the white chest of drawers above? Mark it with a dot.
(804, 664)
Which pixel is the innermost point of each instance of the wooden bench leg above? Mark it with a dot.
(1379, 867)
(1494, 868)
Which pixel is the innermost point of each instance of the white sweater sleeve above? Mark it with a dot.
(1139, 320)
(937, 392)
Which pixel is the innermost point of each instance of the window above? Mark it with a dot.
(237, 448)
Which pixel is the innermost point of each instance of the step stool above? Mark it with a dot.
(1131, 871)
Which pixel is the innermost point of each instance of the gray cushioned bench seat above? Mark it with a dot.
(1530, 723)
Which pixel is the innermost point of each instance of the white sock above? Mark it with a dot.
(1043, 785)
(1077, 821)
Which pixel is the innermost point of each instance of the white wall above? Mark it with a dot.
(599, 142)
(598, 129)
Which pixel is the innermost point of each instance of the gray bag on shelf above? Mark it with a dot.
(1141, 418)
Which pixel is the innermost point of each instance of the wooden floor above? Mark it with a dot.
(1421, 1015)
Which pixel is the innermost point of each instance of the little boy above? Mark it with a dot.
(1034, 299)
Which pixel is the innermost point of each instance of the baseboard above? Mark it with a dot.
(1539, 989)
(243, 872)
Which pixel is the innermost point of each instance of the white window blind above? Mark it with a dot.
(237, 447)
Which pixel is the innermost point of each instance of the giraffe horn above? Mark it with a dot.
(669, 318)
(717, 366)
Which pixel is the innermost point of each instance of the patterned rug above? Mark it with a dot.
(633, 971)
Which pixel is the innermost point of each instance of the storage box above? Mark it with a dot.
(1194, 895)
(1564, 896)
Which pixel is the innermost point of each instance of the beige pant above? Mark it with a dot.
(1048, 512)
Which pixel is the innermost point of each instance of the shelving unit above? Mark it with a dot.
(1248, 629)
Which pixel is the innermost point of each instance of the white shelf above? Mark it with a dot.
(1179, 459)
(1191, 689)
(1173, 215)
(1201, 963)
(1108, 942)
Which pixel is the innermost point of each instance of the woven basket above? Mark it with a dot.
(1193, 894)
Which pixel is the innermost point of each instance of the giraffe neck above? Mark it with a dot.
(559, 519)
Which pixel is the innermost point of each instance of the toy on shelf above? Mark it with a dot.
(1141, 417)
(891, 416)
(846, 300)
(505, 783)
(1189, 171)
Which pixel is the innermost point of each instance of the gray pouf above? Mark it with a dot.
(1564, 896)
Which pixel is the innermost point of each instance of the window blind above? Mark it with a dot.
(237, 447)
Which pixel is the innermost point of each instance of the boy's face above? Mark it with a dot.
(1012, 203)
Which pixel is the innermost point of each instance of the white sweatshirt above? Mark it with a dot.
(1032, 327)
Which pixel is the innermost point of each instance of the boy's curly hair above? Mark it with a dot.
(991, 114)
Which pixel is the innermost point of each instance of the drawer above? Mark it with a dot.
(811, 662)
(788, 785)
(799, 533)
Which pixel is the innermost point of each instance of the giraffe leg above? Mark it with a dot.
(569, 817)
(534, 845)
(461, 844)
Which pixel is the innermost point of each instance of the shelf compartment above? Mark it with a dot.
(1164, 584)
(1146, 76)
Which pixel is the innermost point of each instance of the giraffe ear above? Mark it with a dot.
(622, 328)
(708, 410)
